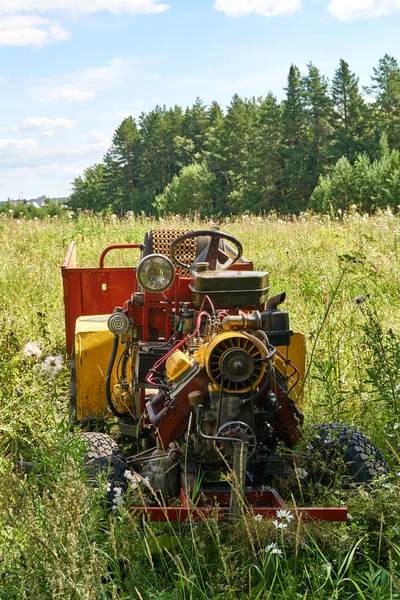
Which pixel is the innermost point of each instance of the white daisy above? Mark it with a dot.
(273, 549)
(286, 515)
(279, 524)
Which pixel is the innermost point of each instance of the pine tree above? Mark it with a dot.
(121, 165)
(294, 185)
(195, 124)
(349, 117)
(265, 163)
(385, 89)
(318, 109)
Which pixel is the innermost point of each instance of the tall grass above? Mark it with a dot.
(58, 540)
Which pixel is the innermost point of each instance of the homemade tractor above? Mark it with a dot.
(193, 360)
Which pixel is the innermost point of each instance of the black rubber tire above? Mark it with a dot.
(363, 461)
(104, 456)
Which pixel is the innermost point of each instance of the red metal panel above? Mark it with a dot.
(94, 291)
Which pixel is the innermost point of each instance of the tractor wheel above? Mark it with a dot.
(339, 443)
(104, 456)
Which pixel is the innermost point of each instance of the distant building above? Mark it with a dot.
(36, 202)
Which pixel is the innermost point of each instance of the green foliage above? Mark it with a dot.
(88, 190)
(367, 185)
(191, 191)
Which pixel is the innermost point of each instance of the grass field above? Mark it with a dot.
(57, 540)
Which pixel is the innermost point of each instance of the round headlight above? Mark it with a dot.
(155, 273)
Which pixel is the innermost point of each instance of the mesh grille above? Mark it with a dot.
(161, 239)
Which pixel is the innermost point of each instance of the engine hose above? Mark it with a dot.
(257, 395)
(110, 368)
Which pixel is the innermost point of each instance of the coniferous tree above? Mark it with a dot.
(121, 166)
(262, 191)
(318, 109)
(385, 89)
(235, 137)
(294, 146)
(349, 117)
(195, 124)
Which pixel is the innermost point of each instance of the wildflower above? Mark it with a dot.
(33, 350)
(132, 478)
(285, 515)
(107, 487)
(279, 524)
(52, 365)
(302, 473)
(258, 518)
(273, 549)
(118, 499)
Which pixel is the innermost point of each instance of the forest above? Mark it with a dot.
(328, 145)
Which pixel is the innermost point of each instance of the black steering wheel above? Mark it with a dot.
(216, 257)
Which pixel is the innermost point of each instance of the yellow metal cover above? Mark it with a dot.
(177, 364)
(93, 345)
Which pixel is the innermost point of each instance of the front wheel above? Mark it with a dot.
(104, 456)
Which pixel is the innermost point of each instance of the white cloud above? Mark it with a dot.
(67, 94)
(265, 8)
(100, 135)
(80, 6)
(18, 145)
(30, 30)
(27, 153)
(44, 125)
(83, 85)
(349, 10)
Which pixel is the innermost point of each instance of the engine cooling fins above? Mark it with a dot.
(237, 359)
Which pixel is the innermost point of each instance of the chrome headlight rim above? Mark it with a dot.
(151, 260)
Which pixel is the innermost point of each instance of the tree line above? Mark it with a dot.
(259, 154)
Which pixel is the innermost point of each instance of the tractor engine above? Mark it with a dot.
(221, 388)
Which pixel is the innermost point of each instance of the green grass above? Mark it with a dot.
(56, 538)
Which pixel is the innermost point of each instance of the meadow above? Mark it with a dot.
(58, 540)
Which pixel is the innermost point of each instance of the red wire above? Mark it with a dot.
(202, 313)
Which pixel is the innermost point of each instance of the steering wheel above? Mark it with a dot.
(211, 253)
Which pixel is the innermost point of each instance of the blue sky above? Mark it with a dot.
(71, 70)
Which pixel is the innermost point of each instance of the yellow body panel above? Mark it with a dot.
(93, 345)
(177, 364)
(296, 353)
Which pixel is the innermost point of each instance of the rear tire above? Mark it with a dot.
(362, 459)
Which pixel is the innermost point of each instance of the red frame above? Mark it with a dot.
(265, 503)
